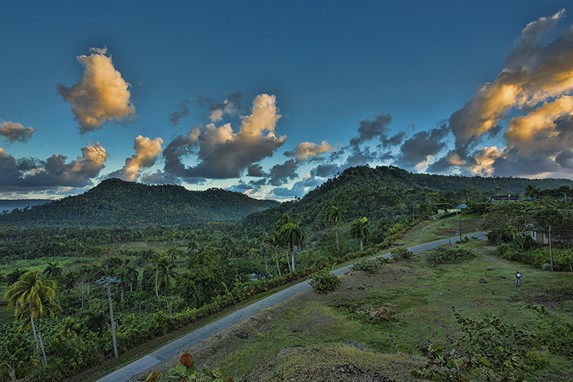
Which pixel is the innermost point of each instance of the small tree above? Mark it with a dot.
(335, 215)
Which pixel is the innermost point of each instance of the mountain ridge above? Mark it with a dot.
(115, 202)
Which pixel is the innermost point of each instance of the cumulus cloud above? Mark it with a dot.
(146, 153)
(298, 190)
(231, 105)
(256, 170)
(34, 174)
(305, 150)
(282, 173)
(101, 95)
(14, 131)
(422, 145)
(182, 112)
(536, 70)
(223, 153)
(372, 128)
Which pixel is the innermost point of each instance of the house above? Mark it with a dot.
(506, 198)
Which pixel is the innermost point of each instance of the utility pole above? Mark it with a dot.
(106, 282)
(550, 250)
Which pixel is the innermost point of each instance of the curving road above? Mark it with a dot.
(171, 350)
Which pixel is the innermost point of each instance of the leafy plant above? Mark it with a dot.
(402, 254)
(185, 371)
(324, 281)
(366, 265)
(442, 255)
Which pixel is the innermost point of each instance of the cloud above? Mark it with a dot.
(420, 146)
(371, 128)
(13, 131)
(160, 177)
(282, 173)
(484, 160)
(230, 106)
(305, 150)
(182, 112)
(35, 174)
(256, 170)
(326, 170)
(101, 95)
(298, 190)
(221, 152)
(536, 71)
(146, 152)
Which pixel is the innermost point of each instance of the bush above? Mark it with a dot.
(324, 281)
(402, 254)
(366, 265)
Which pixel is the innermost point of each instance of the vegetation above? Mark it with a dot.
(176, 261)
(324, 281)
(126, 204)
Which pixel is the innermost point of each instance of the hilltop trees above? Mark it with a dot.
(291, 236)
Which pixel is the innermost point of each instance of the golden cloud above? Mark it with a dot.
(101, 95)
(146, 152)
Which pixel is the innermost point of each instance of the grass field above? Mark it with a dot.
(374, 326)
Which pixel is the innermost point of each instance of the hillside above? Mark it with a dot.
(117, 203)
(387, 193)
(10, 204)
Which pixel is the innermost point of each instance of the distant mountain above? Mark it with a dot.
(10, 204)
(118, 203)
(386, 193)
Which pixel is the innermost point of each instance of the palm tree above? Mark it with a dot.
(359, 230)
(293, 238)
(335, 215)
(13, 276)
(52, 270)
(164, 273)
(32, 298)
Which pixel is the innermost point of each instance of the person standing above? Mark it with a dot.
(518, 279)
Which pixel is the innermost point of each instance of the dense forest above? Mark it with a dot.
(388, 193)
(126, 204)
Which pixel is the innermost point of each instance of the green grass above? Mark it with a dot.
(423, 297)
(430, 230)
(39, 264)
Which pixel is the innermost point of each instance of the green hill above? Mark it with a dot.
(388, 193)
(117, 203)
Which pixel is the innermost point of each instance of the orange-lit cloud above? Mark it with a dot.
(14, 131)
(305, 150)
(535, 72)
(146, 152)
(101, 95)
(224, 153)
(484, 160)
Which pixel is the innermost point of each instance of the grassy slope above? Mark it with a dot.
(316, 337)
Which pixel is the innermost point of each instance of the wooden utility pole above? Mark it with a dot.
(550, 250)
(106, 282)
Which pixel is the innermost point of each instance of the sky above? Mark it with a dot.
(273, 98)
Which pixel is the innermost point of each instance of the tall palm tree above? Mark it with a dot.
(292, 236)
(359, 230)
(164, 273)
(32, 298)
(335, 215)
(52, 270)
(13, 276)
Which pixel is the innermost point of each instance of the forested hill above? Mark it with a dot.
(386, 193)
(117, 203)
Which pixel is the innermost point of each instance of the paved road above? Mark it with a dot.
(171, 350)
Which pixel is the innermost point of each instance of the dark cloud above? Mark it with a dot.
(182, 112)
(326, 170)
(161, 177)
(282, 173)
(418, 147)
(13, 131)
(394, 140)
(372, 128)
(231, 105)
(298, 190)
(256, 170)
(35, 174)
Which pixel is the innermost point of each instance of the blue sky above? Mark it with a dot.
(441, 87)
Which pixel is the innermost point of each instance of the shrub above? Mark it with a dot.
(324, 281)
(366, 265)
(402, 254)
